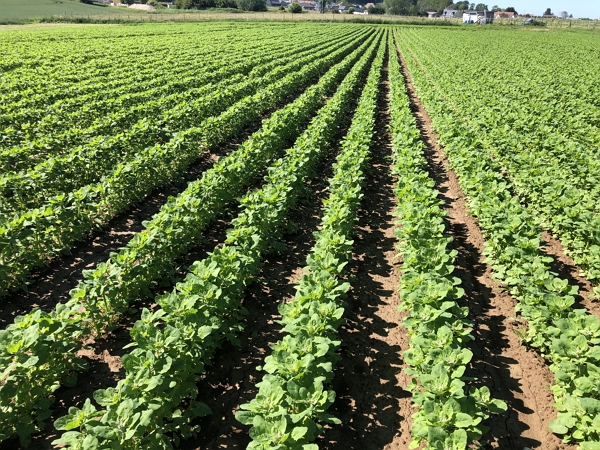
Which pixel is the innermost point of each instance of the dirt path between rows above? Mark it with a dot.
(513, 373)
(370, 400)
(369, 380)
(231, 380)
(566, 269)
(49, 285)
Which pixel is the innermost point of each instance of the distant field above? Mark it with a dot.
(21, 10)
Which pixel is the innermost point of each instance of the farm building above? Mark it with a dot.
(505, 15)
(308, 5)
(450, 13)
(481, 17)
(278, 3)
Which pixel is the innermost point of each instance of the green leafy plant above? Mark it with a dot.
(105, 294)
(567, 337)
(451, 413)
(291, 406)
(173, 344)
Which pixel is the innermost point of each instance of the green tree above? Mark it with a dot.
(548, 12)
(481, 7)
(377, 9)
(460, 6)
(437, 5)
(251, 5)
(399, 7)
(226, 4)
(295, 8)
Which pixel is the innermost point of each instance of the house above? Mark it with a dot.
(368, 5)
(308, 5)
(505, 15)
(549, 16)
(278, 3)
(431, 13)
(359, 10)
(481, 17)
(342, 9)
(450, 13)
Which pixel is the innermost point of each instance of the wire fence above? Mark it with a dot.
(327, 17)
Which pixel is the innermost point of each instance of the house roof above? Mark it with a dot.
(506, 14)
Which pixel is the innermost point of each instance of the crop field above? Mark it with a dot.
(23, 10)
(298, 236)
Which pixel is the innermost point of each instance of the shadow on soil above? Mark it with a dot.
(365, 379)
(489, 365)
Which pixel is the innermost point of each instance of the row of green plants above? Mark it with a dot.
(138, 75)
(135, 75)
(39, 234)
(451, 411)
(38, 349)
(569, 212)
(568, 337)
(291, 405)
(175, 342)
(33, 110)
(86, 164)
(541, 142)
(80, 66)
(56, 130)
(142, 39)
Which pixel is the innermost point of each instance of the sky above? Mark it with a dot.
(579, 8)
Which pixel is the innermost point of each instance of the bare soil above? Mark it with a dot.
(371, 402)
(566, 269)
(51, 284)
(513, 373)
(231, 380)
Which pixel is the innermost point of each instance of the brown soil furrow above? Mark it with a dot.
(371, 402)
(566, 269)
(104, 353)
(231, 380)
(51, 284)
(513, 373)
